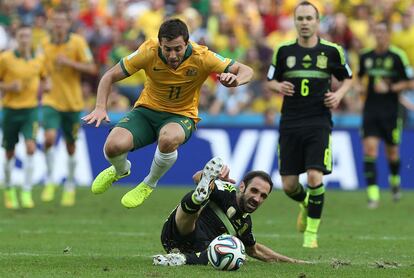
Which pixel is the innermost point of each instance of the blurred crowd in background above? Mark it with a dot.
(244, 30)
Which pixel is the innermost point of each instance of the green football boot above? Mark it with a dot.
(310, 240)
(301, 221)
(105, 179)
(26, 199)
(10, 198)
(136, 196)
(48, 193)
(68, 198)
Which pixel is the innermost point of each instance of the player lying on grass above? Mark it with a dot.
(212, 209)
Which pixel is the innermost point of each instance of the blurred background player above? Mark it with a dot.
(301, 70)
(21, 71)
(67, 56)
(388, 70)
(167, 109)
(212, 209)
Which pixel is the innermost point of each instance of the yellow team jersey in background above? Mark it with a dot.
(28, 72)
(66, 92)
(174, 91)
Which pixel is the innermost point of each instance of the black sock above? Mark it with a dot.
(188, 205)
(394, 167)
(316, 200)
(299, 194)
(370, 170)
(197, 258)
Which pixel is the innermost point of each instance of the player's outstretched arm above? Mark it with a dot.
(238, 74)
(99, 114)
(264, 253)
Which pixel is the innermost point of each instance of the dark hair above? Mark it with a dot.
(24, 26)
(62, 9)
(307, 3)
(172, 29)
(261, 174)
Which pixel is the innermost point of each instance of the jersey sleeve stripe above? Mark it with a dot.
(229, 65)
(339, 48)
(121, 63)
(275, 52)
(400, 53)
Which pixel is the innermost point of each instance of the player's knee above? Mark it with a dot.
(289, 187)
(314, 177)
(115, 148)
(167, 144)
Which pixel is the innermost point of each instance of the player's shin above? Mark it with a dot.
(161, 163)
(315, 207)
(120, 163)
(370, 172)
(299, 194)
(395, 179)
(190, 205)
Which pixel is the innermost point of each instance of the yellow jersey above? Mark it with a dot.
(29, 72)
(66, 93)
(174, 91)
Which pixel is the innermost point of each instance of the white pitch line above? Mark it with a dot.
(29, 254)
(259, 235)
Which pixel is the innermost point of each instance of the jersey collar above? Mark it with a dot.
(19, 55)
(54, 41)
(187, 53)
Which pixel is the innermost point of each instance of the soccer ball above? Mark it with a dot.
(226, 252)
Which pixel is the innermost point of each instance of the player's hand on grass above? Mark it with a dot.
(286, 88)
(228, 79)
(97, 115)
(332, 100)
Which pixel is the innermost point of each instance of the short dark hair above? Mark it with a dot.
(261, 174)
(172, 29)
(307, 3)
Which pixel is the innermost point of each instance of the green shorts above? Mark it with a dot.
(69, 121)
(145, 125)
(17, 121)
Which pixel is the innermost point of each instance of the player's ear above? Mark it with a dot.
(242, 187)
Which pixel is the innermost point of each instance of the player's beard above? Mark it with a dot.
(248, 205)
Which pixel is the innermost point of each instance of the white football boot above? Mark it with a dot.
(210, 172)
(172, 259)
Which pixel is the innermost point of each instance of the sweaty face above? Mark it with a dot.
(254, 195)
(305, 21)
(173, 51)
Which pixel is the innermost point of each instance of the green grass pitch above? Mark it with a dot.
(100, 238)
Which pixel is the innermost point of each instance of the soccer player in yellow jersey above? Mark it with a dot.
(167, 109)
(67, 56)
(21, 71)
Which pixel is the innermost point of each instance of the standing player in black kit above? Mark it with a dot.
(301, 71)
(388, 72)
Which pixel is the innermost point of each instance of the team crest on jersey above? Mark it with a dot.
(231, 211)
(388, 63)
(369, 63)
(191, 72)
(291, 61)
(322, 61)
(306, 61)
